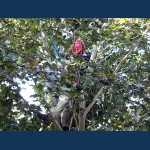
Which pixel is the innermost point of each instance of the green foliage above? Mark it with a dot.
(22, 50)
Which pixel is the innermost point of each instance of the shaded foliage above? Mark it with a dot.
(25, 56)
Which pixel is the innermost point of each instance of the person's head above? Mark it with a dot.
(77, 48)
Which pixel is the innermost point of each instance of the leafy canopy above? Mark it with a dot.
(121, 68)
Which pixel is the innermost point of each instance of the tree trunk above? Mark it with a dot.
(81, 116)
(81, 123)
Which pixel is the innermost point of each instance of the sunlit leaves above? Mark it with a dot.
(19, 61)
(23, 56)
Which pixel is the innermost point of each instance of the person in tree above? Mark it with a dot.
(59, 109)
(78, 49)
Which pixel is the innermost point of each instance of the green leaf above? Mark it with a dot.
(57, 20)
(72, 94)
(19, 61)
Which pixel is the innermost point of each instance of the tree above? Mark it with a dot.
(113, 93)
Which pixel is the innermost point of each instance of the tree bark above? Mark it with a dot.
(81, 116)
(81, 123)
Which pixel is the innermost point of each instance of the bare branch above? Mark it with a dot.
(93, 102)
(102, 52)
(53, 118)
(131, 50)
(143, 116)
(76, 122)
(71, 123)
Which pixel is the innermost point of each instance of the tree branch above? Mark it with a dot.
(52, 116)
(77, 126)
(143, 116)
(93, 102)
(131, 50)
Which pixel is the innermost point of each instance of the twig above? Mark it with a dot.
(145, 77)
(143, 116)
(71, 123)
(108, 45)
(76, 121)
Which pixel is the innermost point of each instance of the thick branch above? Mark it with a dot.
(93, 102)
(131, 50)
(81, 116)
(52, 116)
